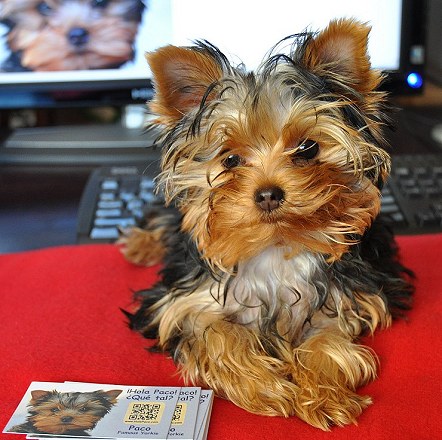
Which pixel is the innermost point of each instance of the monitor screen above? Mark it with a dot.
(55, 52)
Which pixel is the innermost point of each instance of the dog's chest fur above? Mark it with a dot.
(273, 290)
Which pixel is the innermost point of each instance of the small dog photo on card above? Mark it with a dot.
(46, 410)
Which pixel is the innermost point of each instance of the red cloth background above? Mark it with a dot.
(60, 321)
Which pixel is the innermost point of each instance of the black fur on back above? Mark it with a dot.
(373, 266)
(183, 270)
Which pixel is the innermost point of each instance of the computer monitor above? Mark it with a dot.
(91, 52)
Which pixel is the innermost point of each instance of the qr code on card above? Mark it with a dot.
(179, 414)
(149, 413)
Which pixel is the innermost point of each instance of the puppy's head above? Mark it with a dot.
(289, 155)
(54, 412)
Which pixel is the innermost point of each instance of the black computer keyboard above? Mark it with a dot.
(118, 197)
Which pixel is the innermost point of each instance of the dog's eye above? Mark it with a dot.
(99, 3)
(232, 161)
(306, 150)
(44, 9)
(55, 410)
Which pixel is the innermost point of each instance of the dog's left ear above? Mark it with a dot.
(37, 395)
(182, 77)
(340, 52)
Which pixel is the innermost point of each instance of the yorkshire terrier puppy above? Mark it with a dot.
(274, 260)
(57, 413)
(53, 35)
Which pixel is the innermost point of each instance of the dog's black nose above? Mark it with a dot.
(67, 419)
(269, 198)
(78, 37)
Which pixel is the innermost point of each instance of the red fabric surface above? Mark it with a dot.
(60, 321)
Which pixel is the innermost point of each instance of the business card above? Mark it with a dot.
(76, 410)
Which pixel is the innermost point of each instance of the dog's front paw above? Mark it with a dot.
(329, 367)
(331, 407)
(141, 247)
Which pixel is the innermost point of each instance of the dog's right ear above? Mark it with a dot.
(182, 77)
(111, 395)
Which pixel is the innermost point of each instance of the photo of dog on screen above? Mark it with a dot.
(59, 35)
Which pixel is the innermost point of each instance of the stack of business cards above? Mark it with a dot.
(78, 410)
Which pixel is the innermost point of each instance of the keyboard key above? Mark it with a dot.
(116, 212)
(437, 210)
(428, 182)
(420, 171)
(390, 209)
(135, 204)
(115, 221)
(127, 195)
(147, 183)
(104, 233)
(398, 218)
(413, 192)
(408, 183)
(107, 195)
(138, 214)
(388, 200)
(433, 191)
(426, 219)
(402, 171)
(109, 204)
(147, 196)
(109, 184)
(437, 206)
